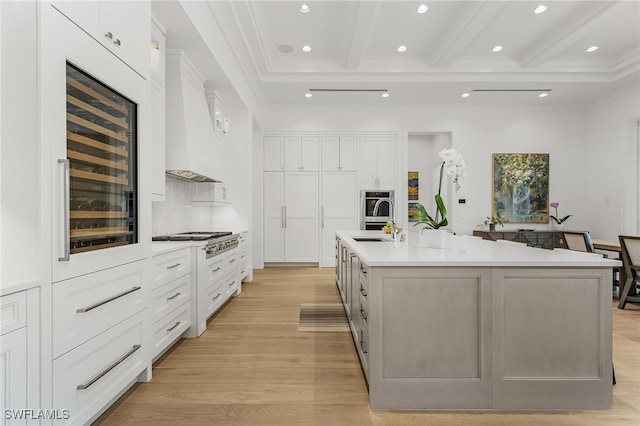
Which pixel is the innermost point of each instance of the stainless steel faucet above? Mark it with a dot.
(394, 230)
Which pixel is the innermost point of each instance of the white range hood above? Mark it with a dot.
(192, 150)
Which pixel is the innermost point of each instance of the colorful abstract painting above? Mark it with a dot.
(413, 187)
(413, 212)
(521, 188)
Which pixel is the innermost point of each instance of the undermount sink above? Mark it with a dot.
(369, 239)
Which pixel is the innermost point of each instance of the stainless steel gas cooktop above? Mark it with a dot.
(191, 236)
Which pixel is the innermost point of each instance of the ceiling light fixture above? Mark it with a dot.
(422, 8)
(540, 9)
(285, 48)
(306, 48)
(308, 95)
(465, 95)
(385, 95)
(543, 95)
(305, 8)
(496, 48)
(592, 49)
(402, 48)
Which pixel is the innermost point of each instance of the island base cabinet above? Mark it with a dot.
(170, 328)
(554, 352)
(88, 378)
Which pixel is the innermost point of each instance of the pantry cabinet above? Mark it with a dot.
(291, 217)
(338, 210)
(120, 26)
(377, 162)
(301, 154)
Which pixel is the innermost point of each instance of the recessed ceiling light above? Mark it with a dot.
(385, 95)
(308, 95)
(402, 48)
(285, 48)
(306, 48)
(540, 9)
(496, 48)
(304, 8)
(543, 95)
(592, 49)
(465, 95)
(422, 8)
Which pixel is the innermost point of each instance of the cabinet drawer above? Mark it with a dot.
(363, 288)
(169, 266)
(170, 327)
(88, 377)
(231, 282)
(86, 306)
(214, 297)
(215, 270)
(363, 348)
(364, 310)
(170, 296)
(13, 312)
(364, 271)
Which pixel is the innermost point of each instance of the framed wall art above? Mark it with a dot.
(521, 188)
(412, 186)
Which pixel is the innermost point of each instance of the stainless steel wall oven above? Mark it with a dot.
(368, 200)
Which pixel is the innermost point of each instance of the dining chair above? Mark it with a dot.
(578, 241)
(630, 254)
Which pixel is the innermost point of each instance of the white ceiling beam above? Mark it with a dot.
(477, 16)
(588, 17)
(362, 30)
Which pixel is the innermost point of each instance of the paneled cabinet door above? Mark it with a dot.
(273, 154)
(330, 153)
(121, 26)
(386, 153)
(368, 166)
(13, 374)
(339, 210)
(348, 156)
(301, 217)
(274, 217)
(301, 153)
(377, 162)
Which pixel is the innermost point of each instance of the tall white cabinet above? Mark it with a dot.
(291, 217)
(338, 210)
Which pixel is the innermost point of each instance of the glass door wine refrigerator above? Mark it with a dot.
(94, 134)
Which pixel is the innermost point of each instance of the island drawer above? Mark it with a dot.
(364, 310)
(364, 270)
(363, 288)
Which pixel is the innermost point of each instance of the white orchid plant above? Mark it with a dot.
(453, 163)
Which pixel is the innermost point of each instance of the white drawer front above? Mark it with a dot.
(88, 377)
(231, 282)
(83, 307)
(213, 298)
(170, 296)
(169, 266)
(215, 270)
(170, 327)
(13, 312)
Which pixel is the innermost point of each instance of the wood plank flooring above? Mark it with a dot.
(252, 367)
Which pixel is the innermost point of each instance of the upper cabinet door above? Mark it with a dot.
(348, 150)
(386, 152)
(292, 153)
(123, 27)
(368, 167)
(273, 154)
(330, 153)
(309, 154)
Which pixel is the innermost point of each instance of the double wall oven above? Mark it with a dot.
(368, 200)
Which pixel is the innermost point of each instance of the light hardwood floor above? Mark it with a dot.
(252, 367)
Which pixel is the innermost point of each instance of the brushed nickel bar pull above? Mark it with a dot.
(362, 314)
(282, 217)
(106, 370)
(104, 302)
(174, 296)
(322, 216)
(174, 266)
(232, 283)
(216, 270)
(285, 216)
(170, 329)
(232, 260)
(364, 294)
(67, 223)
(216, 296)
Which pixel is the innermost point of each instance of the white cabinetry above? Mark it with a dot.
(273, 154)
(291, 217)
(214, 193)
(339, 153)
(98, 339)
(120, 26)
(19, 354)
(220, 115)
(158, 117)
(377, 162)
(338, 210)
(301, 154)
(243, 255)
(170, 299)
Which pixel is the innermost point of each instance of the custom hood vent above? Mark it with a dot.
(192, 152)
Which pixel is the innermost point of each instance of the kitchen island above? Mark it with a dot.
(477, 324)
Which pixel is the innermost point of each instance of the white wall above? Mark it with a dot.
(611, 168)
(476, 134)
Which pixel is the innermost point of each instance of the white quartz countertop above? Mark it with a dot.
(464, 251)
(160, 247)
